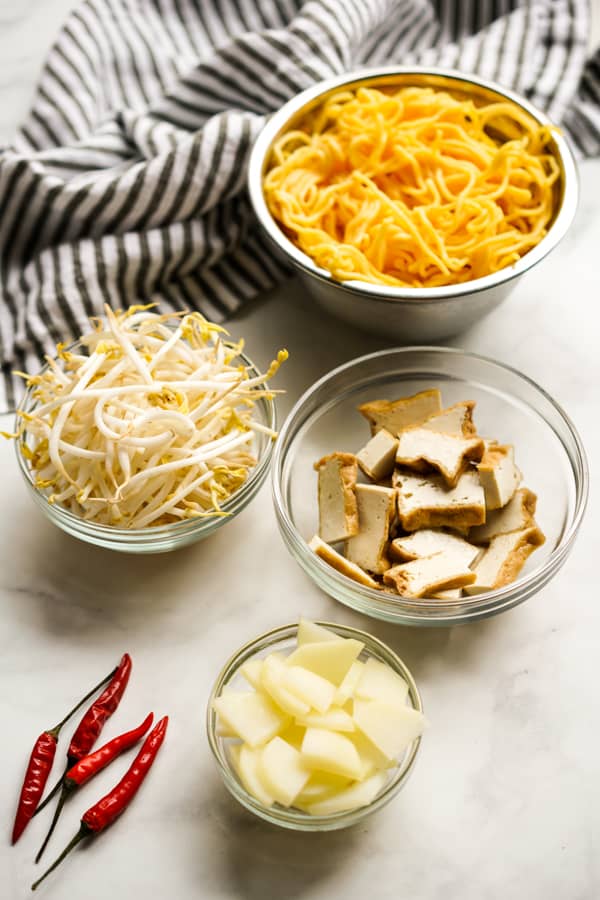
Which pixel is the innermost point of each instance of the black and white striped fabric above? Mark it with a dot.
(126, 182)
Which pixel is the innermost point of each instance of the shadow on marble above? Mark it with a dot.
(426, 651)
(259, 861)
(71, 582)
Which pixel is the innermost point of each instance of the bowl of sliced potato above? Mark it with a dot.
(314, 726)
(429, 486)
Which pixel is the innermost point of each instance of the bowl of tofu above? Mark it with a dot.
(428, 485)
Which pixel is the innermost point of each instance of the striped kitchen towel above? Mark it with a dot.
(126, 181)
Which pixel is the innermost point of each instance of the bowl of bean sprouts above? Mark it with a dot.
(148, 433)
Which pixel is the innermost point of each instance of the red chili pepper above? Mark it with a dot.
(93, 721)
(90, 765)
(110, 807)
(36, 776)
(40, 764)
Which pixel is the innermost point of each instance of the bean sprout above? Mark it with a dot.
(149, 422)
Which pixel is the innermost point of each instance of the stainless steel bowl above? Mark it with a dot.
(409, 314)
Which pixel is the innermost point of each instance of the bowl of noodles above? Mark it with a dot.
(410, 200)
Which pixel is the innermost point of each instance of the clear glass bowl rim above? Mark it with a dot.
(290, 818)
(402, 610)
(184, 530)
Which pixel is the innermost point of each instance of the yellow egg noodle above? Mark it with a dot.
(413, 187)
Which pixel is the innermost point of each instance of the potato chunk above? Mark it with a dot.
(311, 633)
(283, 771)
(246, 763)
(346, 688)
(309, 687)
(251, 671)
(353, 797)
(329, 659)
(391, 728)
(330, 751)
(379, 682)
(273, 682)
(319, 786)
(251, 715)
(335, 719)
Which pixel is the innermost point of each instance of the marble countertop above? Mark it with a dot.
(505, 798)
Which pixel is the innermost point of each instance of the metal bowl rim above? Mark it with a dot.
(386, 293)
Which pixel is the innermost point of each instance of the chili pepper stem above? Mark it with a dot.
(61, 802)
(89, 694)
(83, 832)
(56, 730)
(53, 792)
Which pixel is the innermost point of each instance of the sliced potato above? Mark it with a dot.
(360, 794)
(251, 671)
(391, 728)
(283, 771)
(348, 685)
(331, 751)
(311, 633)
(251, 716)
(224, 731)
(329, 659)
(294, 734)
(272, 681)
(372, 760)
(319, 786)
(246, 763)
(309, 687)
(379, 682)
(335, 719)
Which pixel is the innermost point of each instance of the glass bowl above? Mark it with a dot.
(510, 407)
(160, 538)
(283, 639)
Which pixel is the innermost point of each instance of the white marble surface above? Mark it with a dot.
(505, 798)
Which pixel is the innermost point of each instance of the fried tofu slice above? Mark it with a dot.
(429, 541)
(376, 511)
(338, 509)
(517, 515)
(457, 419)
(504, 559)
(499, 475)
(428, 575)
(394, 415)
(339, 562)
(378, 456)
(430, 503)
(448, 454)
